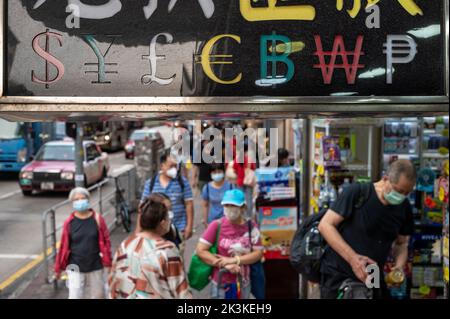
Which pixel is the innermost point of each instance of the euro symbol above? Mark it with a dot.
(49, 58)
(206, 57)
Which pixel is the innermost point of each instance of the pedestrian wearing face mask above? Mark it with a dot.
(237, 248)
(169, 182)
(362, 236)
(173, 235)
(147, 266)
(212, 194)
(85, 249)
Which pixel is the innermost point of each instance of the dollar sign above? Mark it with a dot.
(49, 59)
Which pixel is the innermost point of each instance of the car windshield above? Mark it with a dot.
(56, 153)
(141, 135)
(9, 130)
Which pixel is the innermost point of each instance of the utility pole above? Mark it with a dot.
(79, 156)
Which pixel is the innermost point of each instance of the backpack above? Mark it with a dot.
(308, 245)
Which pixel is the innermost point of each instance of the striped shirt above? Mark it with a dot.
(176, 195)
(145, 268)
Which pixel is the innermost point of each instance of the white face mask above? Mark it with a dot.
(232, 213)
(172, 172)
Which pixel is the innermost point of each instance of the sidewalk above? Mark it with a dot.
(38, 289)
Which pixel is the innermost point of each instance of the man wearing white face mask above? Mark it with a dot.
(360, 235)
(169, 182)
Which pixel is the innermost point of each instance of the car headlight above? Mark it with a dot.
(107, 137)
(26, 175)
(67, 175)
(22, 156)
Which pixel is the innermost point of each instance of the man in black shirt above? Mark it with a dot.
(358, 237)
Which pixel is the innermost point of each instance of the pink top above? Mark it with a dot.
(233, 240)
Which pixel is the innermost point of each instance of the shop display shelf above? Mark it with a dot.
(431, 154)
(432, 132)
(400, 154)
(436, 285)
(430, 225)
(425, 264)
(356, 167)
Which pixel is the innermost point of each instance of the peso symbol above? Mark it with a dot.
(48, 57)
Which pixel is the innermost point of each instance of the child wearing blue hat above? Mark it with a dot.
(239, 246)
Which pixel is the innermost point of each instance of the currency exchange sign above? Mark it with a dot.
(207, 48)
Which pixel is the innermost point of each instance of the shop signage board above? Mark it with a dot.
(213, 50)
(277, 209)
(445, 247)
(278, 226)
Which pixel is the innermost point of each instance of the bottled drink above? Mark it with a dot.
(395, 277)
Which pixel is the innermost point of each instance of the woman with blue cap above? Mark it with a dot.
(238, 246)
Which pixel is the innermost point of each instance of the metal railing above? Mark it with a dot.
(103, 202)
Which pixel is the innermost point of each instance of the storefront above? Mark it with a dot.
(267, 60)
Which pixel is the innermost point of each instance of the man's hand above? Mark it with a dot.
(187, 233)
(359, 266)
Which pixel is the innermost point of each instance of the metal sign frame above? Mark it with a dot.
(38, 107)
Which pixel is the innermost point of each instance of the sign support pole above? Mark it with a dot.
(79, 157)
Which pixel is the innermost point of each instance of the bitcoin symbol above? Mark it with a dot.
(49, 58)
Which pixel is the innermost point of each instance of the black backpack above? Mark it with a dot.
(308, 245)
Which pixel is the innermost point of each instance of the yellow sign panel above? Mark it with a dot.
(272, 12)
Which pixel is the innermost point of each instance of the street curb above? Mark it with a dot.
(20, 284)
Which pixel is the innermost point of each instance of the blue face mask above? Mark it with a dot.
(217, 177)
(81, 205)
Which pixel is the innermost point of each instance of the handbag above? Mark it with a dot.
(200, 272)
(257, 275)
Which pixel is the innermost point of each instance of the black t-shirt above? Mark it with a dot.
(369, 230)
(84, 249)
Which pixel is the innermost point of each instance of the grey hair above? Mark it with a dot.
(79, 190)
(402, 167)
